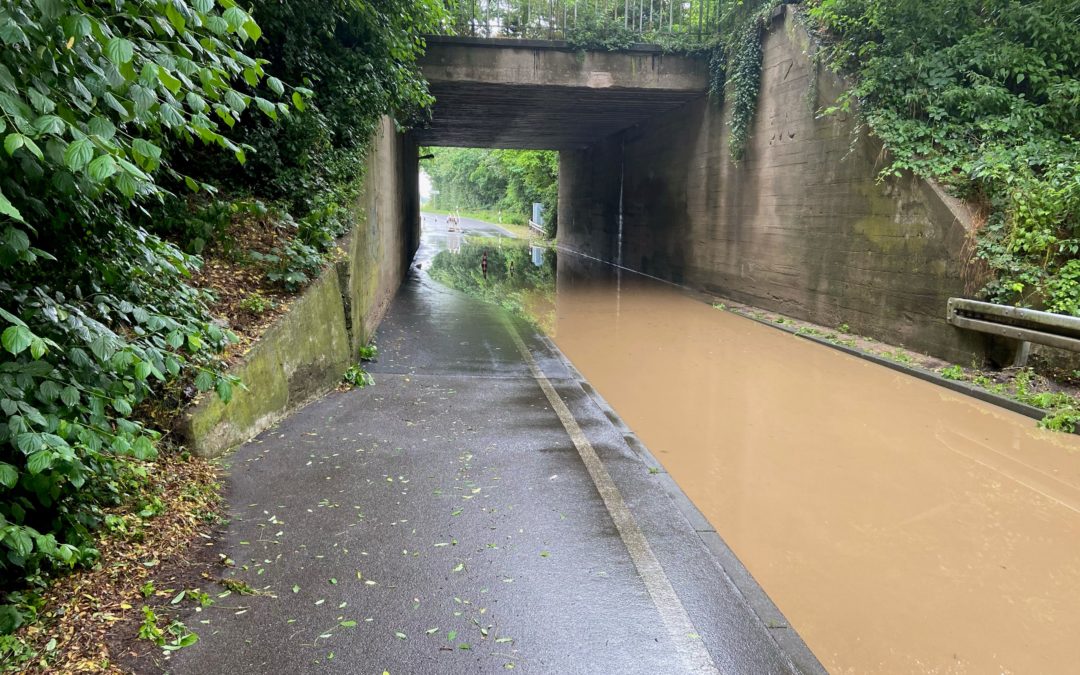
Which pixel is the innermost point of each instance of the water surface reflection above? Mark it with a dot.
(901, 527)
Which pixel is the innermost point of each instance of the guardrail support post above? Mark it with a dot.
(1023, 350)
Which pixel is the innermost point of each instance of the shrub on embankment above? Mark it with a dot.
(983, 96)
(112, 114)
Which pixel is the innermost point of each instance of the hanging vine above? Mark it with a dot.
(745, 84)
(736, 62)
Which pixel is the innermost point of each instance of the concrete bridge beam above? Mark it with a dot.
(547, 95)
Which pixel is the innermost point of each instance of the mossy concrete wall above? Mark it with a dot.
(306, 352)
(801, 225)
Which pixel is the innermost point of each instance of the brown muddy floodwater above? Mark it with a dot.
(900, 527)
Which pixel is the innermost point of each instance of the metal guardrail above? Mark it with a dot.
(1018, 323)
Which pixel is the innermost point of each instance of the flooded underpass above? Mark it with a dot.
(899, 526)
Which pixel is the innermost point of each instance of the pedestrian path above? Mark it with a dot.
(477, 510)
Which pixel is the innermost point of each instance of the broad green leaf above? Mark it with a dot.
(275, 85)
(170, 114)
(37, 348)
(143, 370)
(18, 538)
(102, 347)
(121, 406)
(146, 148)
(235, 101)
(102, 128)
(78, 154)
(119, 50)
(143, 449)
(16, 338)
(50, 124)
(9, 475)
(101, 168)
(13, 142)
(267, 107)
(11, 318)
(235, 17)
(298, 101)
(252, 29)
(9, 210)
(30, 145)
(127, 185)
(17, 241)
(28, 443)
(69, 396)
(167, 79)
(174, 16)
(42, 103)
(39, 461)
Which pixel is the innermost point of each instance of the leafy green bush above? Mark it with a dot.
(95, 311)
(356, 376)
(257, 303)
(197, 223)
(601, 32)
(953, 372)
(293, 265)
(981, 95)
(358, 58)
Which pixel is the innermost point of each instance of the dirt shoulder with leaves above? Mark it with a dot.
(88, 621)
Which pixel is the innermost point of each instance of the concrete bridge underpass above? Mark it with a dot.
(799, 225)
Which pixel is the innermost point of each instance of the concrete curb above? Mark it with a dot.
(779, 628)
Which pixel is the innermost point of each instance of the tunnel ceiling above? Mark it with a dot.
(474, 114)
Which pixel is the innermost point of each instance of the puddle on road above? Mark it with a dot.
(900, 527)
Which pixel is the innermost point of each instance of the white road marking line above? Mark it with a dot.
(679, 626)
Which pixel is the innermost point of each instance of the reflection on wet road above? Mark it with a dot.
(900, 527)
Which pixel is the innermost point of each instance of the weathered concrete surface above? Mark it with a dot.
(289, 365)
(590, 198)
(387, 234)
(801, 226)
(306, 352)
(448, 498)
(530, 94)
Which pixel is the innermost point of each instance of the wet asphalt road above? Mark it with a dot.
(443, 521)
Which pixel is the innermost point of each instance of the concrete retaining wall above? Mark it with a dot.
(801, 226)
(305, 353)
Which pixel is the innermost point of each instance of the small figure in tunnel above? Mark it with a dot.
(483, 264)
